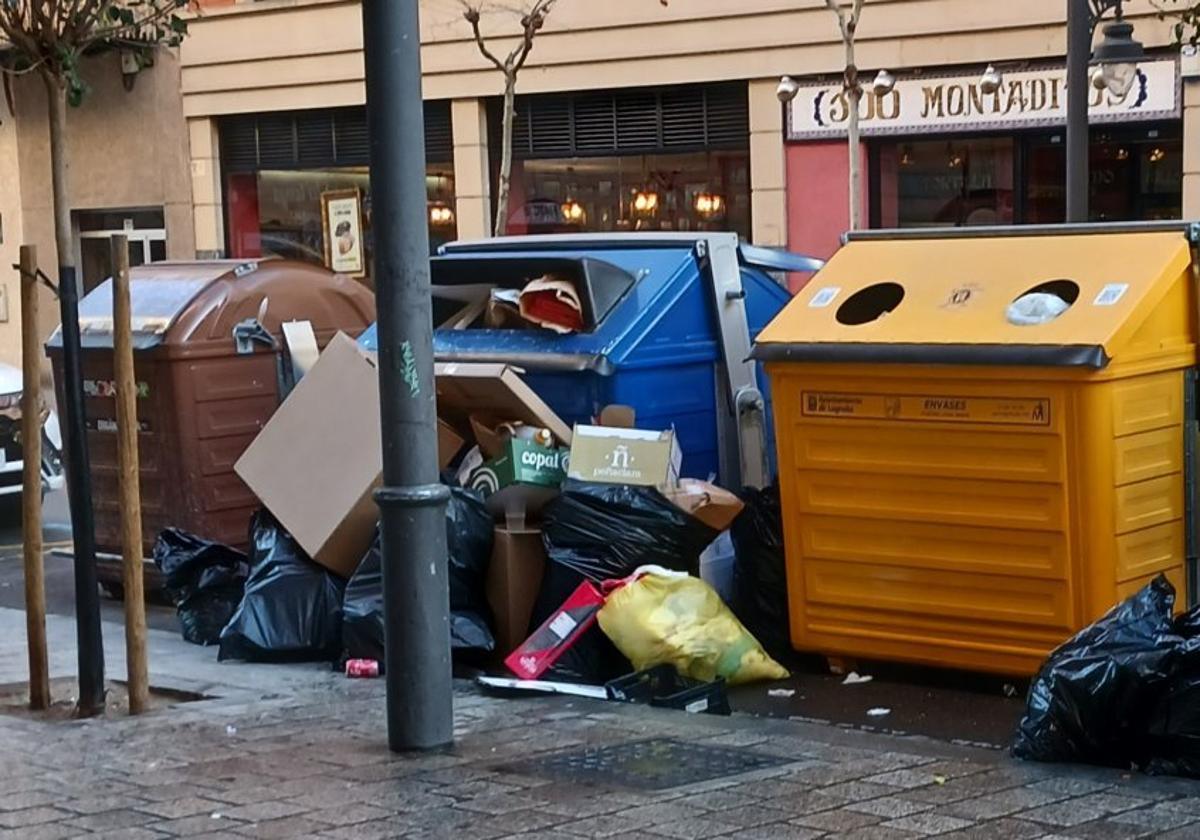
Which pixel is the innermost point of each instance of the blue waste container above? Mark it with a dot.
(655, 337)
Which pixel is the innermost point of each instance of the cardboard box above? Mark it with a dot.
(522, 480)
(712, 505)
(317, 461)
(625, 456)
(464, 389)
(513, 582)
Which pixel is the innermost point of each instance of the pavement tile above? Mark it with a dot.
(1001, 829)
(260, 811)
(691, 828)
(1082, 809)
(600, 826)
(44, 831)
(199, 824)
(1001, 804)
(111, 820)
(25, 799)
(1108, 830)
(861, 791)
(501, 803)
(348, 814)
(286, 827)
(808, 802)
(32, 816)
(928, 824)
(840, 820)
(749, 816)
(186, 807)
(776, 831)
(1159, 817)
(126, 834)
(719, 800)
(889, 807)
(96, 804)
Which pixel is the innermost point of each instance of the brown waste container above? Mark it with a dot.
(201, 398)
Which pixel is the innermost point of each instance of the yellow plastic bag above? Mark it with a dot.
(669, 617)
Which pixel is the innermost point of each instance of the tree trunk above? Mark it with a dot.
(854, 97)
(506, 154)
(854, 94)
(56, 100)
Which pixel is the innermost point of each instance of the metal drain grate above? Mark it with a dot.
(657, 764)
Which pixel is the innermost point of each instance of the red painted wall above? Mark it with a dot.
(818, 200)
(245, 235)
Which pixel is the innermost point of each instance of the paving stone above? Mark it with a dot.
(1082, 809)
(1159, 817)
(32, 816)
(889, 807)
(1002, 829)
(777, 831)
(21, 800)
(175, 808)
(126, 834)
(111, 820)
(1109, 830)
(1001, 804)
(602, 826)
(809, 802)
(286, 827)
(261, 811)
(928, 824)
(199, 824)
(692, 828)
(349, 815)
(96, 804)
(840, 820)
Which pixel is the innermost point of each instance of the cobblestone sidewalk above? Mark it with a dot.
(297, 751)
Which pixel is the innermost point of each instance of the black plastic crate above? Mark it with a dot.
(662, 686)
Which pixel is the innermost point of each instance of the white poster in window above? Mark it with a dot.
(341, 217)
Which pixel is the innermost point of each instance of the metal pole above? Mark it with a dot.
(415, 588)
(31, 483)
(79, 494)
(1079, 49)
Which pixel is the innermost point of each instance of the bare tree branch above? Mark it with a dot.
(471, 14)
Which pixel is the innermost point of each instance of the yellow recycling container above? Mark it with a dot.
(963, 491)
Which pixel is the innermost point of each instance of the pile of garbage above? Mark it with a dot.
(1124, 692)
(577, 557)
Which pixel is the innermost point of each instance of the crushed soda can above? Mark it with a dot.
(362, 668)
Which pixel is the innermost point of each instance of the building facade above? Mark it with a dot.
(631, 115)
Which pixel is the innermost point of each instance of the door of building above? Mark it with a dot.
(145, 230)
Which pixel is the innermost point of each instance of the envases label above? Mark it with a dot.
(1014, 411)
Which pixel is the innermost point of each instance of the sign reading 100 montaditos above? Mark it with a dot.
(940, 103)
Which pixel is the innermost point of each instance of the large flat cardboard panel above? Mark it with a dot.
(316, 462)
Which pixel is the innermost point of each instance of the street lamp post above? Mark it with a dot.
(416, 600)
(1117, 57)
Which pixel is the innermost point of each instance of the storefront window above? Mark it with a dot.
(278, 212)
(677, 192)
(1136, 174)
(942, 183)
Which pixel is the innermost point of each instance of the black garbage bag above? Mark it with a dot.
(1187, 624)
(760, 590)
(469, 546)
(1092, 699)
(600, 532)
(204, 580)
(292, 608)
(1173, 736)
